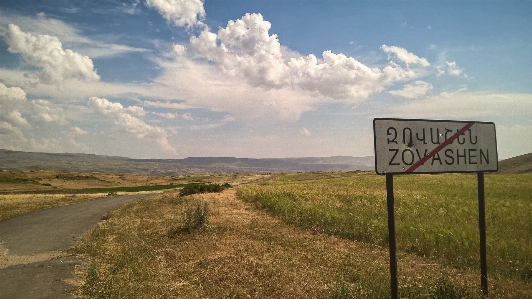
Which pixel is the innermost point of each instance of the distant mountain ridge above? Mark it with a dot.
(519, 164)
(18, 160)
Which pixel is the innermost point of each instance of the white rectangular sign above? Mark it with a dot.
(434, 146)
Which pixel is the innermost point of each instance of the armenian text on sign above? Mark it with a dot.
(433, 146)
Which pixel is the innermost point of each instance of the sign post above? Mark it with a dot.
(407, 146)
(482, 229)
(391, 235)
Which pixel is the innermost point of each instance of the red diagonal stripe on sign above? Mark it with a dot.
(440, 147)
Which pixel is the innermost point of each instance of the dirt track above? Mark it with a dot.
(32, 262)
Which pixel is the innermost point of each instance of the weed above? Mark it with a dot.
(196, 216)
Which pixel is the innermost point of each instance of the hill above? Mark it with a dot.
(519, 164)
(17, 160)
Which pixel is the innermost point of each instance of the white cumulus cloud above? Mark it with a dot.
(182, 13)
(245, 49)
(46, 53)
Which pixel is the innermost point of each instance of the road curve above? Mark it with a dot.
(32, 262)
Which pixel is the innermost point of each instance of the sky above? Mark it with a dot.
(254, 78)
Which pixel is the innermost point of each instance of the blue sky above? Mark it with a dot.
(172, 79)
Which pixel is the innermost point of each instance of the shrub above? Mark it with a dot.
(190, 189)
(196, 216)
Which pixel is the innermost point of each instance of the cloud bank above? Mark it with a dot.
(20, 120)
(245, 49)
(128, 119)
(245, 71)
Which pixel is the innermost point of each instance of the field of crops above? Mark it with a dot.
(436, 215)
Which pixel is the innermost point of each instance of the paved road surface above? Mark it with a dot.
(32, 264)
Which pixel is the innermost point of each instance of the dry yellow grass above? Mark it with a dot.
(26, 191)
(51, 180)
(46, 180)
(141, 253)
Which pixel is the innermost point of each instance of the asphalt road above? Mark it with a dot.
(32, 262)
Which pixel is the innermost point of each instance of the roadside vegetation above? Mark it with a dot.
(22, 192)
(313, 235)
(12, 205)
(199, 188)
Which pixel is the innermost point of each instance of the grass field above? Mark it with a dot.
(436, 215)
(336, 249)
(141, 251)
(57, 181)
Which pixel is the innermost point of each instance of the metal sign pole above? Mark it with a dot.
(482, 229)
(391, 232)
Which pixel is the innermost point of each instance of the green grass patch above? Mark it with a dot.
(436, 215)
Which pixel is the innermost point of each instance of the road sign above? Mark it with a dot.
(434, 146)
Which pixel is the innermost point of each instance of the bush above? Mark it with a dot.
(203, 188)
